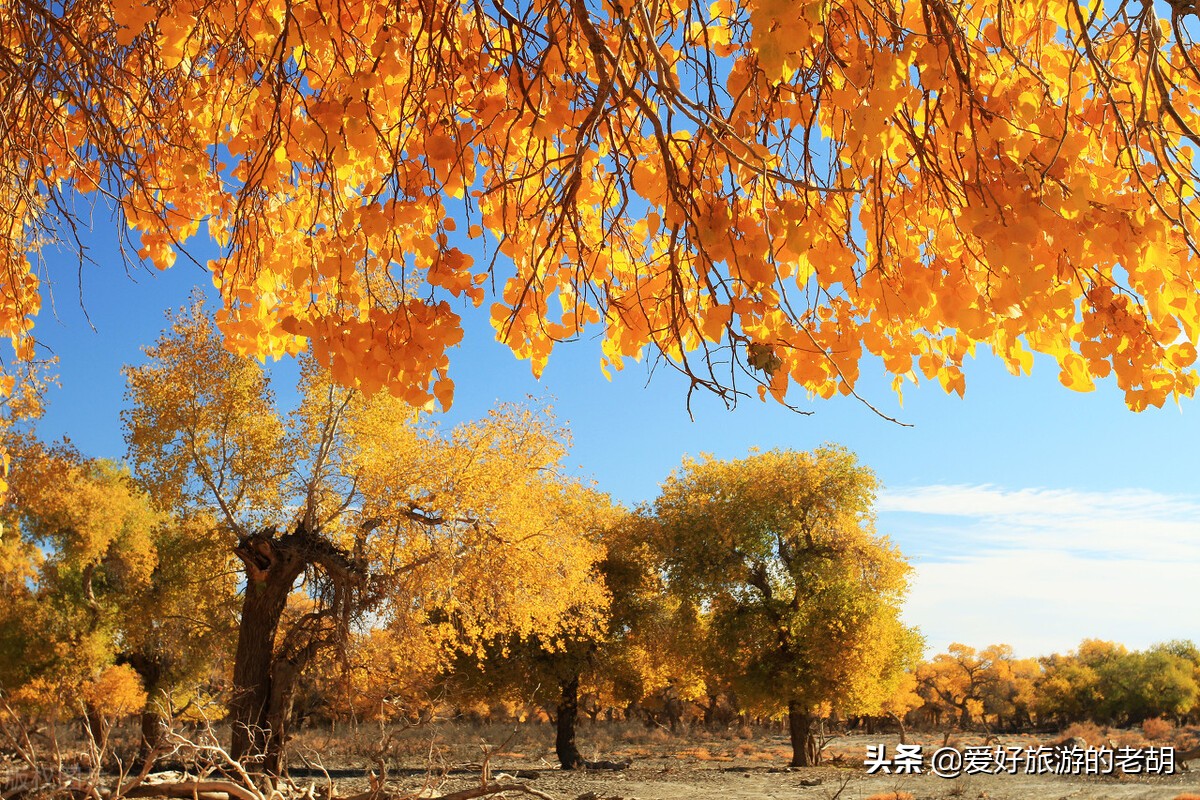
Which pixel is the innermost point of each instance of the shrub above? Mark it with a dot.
(1128, 739)
(1157, 728)
(1183, 739)
(117, 692)
(1090, 732)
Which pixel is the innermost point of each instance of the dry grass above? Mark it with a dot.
(634, 752)
(702, 754)
(1157, 728)
(1090, 732)
(1183, 739)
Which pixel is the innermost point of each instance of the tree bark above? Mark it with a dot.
(154, 729)
(150, 668)
(806, 751)
(285, 677)
(271, 571)
(565, 718)
(96, 727)
(710, 710)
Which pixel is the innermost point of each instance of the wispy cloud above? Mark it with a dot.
(1042, 569)
(1126, 524)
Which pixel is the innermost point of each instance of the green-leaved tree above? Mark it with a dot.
(779, 549)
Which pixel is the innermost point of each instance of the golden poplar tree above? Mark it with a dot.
(433, 537)
(802, 595)
(122, 595)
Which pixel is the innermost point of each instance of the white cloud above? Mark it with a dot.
(1042, 569)
(1131, 523)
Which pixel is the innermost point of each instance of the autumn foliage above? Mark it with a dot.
(800, 596)
(1098, 683)
(424, 538)
(763, 192)
(350, 558)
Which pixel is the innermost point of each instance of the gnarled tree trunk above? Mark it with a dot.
(150, 667)
(806, 750)
(265, 672)
(566, 715)
(271, 570)
(286, 670)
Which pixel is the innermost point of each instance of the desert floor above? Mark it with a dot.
(666, 767)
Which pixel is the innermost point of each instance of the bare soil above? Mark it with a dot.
(729, 767)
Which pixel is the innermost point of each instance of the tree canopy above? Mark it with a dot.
(366, 511)
(802, 597)
(760, 192)
(118, 605)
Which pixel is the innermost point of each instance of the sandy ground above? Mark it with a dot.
(727, 771)
(428, 763)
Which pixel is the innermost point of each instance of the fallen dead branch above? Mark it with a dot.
(201, 789)
(224, 778)
(465, 794)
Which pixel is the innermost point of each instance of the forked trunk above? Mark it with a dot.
(567, 714)
(806, 751)
(271, 571)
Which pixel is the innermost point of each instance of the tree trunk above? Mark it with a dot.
(271, 571)
(900, 721)
(154, 729)
(279, 716)
(285, 678)
(964, 718)
(806, 751)
(710, 710)
(150, 668)
(565, 718)
(96, 727)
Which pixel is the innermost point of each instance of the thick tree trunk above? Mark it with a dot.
(964, 718)
(154, 730)
(279, 716)
(271, 571)
(285, 678)
(150, 668)
(566, 715)
(710, 710)
(806, 751)
(96, 727)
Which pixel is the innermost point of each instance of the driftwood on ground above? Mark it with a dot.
(466, 794)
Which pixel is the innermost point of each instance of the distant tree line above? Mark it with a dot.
(1101, 682)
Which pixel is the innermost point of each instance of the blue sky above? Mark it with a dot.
(1034, 515)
